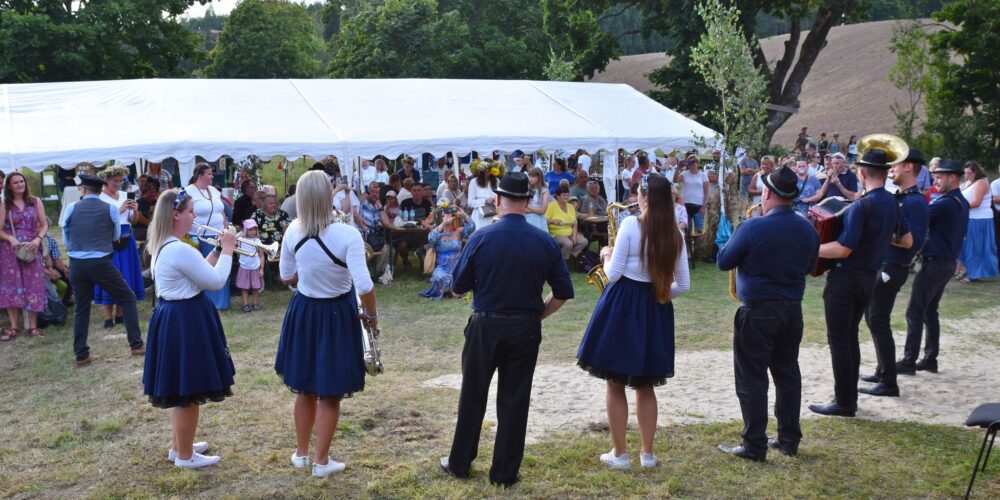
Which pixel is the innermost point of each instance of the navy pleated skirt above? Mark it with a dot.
(320, 350)
(630, 338)
(187, 360)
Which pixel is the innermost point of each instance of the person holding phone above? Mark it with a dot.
(126, 253)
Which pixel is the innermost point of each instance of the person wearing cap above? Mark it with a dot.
(869, 226)
(505, 329)
(250, 275)
(89, 227)
(896, 266)
(840, 180)
(948, 223)
(772, 255)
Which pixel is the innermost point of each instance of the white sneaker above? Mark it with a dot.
(199, 447)
(197, 461)
(648, 460)
(330, 467)
(300, 462)
(620, 462)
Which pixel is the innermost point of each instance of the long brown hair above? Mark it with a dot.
(661, 241)
(8, 193)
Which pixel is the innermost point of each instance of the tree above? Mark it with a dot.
(50, 40)
(577, 24)
(910, 73)
(267, 39)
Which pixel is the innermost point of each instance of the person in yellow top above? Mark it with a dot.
(562, 224)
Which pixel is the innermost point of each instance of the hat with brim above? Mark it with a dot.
(783, 183)
(514, 185)
(915, 157)
(875, 158)
(92, 181)
(948, 167)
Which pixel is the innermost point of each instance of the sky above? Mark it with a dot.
(224, 6)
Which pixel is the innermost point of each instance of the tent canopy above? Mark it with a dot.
(125, 120)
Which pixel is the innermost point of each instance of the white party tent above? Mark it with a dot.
(125, 120)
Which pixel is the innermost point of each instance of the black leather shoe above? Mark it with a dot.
(774, 444)
(905, 368)
(880, 390)
(506, 484)
(924, 365)
(741, 452)
(447, 470)
(875, 379)
(833, 409)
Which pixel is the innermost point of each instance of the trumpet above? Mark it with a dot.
(271, 251)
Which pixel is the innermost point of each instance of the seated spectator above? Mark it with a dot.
(421, 208)
(579, 189)
(593, 204)
(406, 192)
(56, 270)
(344, 200)
(245, 205)
(446, 240)
(271, 220)
(452, 192)
(559, 173)
(289, 204)
(381, 175)
(408, 171)
(390, 210)
(372, 230)
(563, 226)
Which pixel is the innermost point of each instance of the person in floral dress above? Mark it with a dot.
(22, 284)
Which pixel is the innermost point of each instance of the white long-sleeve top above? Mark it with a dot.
(319, 277)
(181, 272)
(123, 217)
(625, 259)
(479, 195)
(209, 209)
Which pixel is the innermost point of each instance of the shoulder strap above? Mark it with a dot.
(324, 247)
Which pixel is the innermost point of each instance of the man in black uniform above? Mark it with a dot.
(772, 256)
(949, 221)
(896, 266)
(505, 265)
(869, 225)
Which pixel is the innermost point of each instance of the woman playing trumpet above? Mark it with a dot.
(187, 360)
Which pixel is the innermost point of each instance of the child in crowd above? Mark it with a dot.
(250, 276)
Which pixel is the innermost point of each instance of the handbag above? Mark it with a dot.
(23, 251)
(489, 210)
(430, 260)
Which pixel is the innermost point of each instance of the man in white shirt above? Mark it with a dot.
(583, 160)
(405, 191)
(347, 204)
(368, 173)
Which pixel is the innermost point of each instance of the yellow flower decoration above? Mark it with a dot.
(495, 172)
(444, 204)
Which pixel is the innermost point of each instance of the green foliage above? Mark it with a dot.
(910, 73)
(267, 39)
(558, 69)
(45, 41)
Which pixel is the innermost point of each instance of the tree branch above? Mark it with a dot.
(625, 7)
(781, 68)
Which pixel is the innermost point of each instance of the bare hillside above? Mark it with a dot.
(847, 90)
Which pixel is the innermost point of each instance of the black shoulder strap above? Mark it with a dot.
(325, 249)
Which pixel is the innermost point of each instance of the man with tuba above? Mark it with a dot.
(772, 255)
(869, 225)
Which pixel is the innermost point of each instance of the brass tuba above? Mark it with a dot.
(732, 272)
(596, 275)
(895, 147)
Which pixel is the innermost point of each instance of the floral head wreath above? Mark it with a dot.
(113, 171)
(493, 168)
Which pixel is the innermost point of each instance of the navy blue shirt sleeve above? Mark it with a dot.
(558, 279)
(854, 226)
(464, 276)
(733, 252)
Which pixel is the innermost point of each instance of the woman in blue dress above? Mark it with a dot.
(446, 239)
(126, 253)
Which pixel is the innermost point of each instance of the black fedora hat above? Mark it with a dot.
(783, 183)
(514, 185)
(92, 181)
(948, 167)
(915, 156)
(875, 158)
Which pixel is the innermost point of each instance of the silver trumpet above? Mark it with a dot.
(271, 251)
(369, 343)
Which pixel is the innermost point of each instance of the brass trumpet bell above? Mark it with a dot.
(895, 147)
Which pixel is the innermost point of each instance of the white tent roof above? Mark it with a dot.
(124, 120)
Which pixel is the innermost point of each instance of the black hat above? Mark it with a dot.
(514, 185)
(915, 156)
(783, 182)
(92, 181)
(948, 167)
(875, 158)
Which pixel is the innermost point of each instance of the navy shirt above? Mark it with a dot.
(848, 180)
(868, 237)
(913, 208)
(505, 265)
(949, 221)
(772, 254)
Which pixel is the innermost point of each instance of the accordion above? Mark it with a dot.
(828, 218)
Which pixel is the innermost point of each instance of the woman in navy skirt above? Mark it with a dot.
(187, 360)
(320, 351)
(630, 339)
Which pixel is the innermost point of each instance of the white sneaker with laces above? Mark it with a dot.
(330, 467)
(197, 461)
(199, 447)
(620, 462)
(300, 462)
(648, 460)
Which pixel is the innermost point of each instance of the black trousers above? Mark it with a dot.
(878, 315)
(766, 336)
(845, 299)
(922, 311)
(491, 344)
(83, 275)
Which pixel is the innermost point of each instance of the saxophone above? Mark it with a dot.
(369, 343)
(596, 276)
(732, 272)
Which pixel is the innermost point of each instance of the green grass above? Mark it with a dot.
(90, 432)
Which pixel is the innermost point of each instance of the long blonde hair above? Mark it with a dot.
(313, 202)
(162, 225)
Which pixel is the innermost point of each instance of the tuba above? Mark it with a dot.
(369, 343)
(895, 147)
(596, 275)
(732, 272)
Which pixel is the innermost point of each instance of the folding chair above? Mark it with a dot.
(986, 416)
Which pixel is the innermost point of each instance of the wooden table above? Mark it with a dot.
(595, 219)
(400, 231)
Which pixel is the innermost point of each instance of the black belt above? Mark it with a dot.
(770, 303)
(926, 258)
(503, 315)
